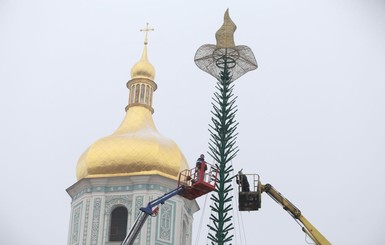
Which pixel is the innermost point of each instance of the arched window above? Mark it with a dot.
(142, 93)
(118, 224)
(150, 98)
(137, 93)
(146, 98)
(131, 94)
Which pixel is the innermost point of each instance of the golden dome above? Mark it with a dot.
(143, 69)
(136, 147)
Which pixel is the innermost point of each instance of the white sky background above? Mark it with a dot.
(311, 116)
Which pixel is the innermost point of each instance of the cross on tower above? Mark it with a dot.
(146, 30)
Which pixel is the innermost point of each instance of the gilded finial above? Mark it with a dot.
(225, 34)
(143, 68)
(146, 30)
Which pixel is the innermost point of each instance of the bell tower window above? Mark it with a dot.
(118, 224)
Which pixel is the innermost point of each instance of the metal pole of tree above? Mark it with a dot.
(226, 62)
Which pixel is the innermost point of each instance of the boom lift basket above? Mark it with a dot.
(198, 182)
(249, 198)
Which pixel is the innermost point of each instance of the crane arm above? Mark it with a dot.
(307, 227)
(145, 212)
(135, 229)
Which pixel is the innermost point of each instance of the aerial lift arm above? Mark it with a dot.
(147, 211)
(250, 200)
(307, 227)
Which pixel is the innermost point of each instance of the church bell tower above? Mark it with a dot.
(122, 172)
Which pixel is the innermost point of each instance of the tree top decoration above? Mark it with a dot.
(212, 58)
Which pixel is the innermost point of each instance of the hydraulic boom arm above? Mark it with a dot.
(147, 211)
(307, 227)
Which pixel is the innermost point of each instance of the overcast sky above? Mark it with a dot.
(311, 117)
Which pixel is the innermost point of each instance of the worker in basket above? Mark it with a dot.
(200, 168)
(241, 179)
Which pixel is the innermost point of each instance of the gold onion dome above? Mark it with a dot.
(143, 69)
(136, 147)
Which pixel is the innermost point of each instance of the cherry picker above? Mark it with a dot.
(250, 200)
(192, 183)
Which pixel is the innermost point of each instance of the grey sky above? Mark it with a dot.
(311, 116)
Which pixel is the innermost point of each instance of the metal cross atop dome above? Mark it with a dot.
(146, 30)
